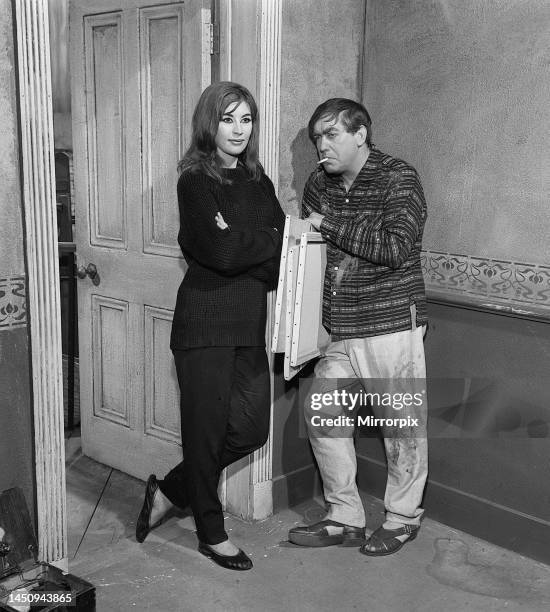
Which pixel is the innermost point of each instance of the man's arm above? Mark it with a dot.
(387, 238)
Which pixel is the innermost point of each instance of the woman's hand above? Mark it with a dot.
(220, 222)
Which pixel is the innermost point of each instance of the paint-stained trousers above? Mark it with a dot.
(395, 362)
(225, 400)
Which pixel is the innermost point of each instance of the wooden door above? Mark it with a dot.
(137, 70)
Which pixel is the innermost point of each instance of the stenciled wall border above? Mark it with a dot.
(500, 285)
(13, 302)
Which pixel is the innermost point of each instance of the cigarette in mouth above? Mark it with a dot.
(322, 161)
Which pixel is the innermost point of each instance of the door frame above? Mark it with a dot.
(247, 490)
(38, 177)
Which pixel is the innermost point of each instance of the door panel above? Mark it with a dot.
(110, 358)
(105, 150)
(161, 395)
(162, 69)
(137, 72)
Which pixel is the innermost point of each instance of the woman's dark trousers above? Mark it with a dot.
(225, 400)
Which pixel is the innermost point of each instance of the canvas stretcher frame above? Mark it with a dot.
(298, 329)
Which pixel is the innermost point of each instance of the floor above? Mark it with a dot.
(442, 570)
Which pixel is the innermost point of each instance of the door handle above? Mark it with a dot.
(91, 271)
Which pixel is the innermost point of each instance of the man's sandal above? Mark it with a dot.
(385, 541)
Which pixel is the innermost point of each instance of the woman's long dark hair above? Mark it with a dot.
(201, 156)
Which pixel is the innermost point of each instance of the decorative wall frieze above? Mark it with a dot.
(13, 302)
(508, 283)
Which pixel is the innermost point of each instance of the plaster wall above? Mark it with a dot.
(11, 244)
(16, 429)
(322, 49)
(322, 53)
(460, 90)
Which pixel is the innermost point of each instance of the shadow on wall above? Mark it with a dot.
(295, 476)
(294, 473)
(303, 162)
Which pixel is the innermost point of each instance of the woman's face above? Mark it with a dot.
(234, 132)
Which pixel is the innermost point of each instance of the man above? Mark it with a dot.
(370, 209)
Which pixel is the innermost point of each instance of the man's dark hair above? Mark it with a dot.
(353, 116)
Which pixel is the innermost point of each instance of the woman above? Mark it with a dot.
(230, 235)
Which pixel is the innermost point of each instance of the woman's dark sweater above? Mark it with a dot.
(222, 298)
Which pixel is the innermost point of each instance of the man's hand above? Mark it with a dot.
(315, 219)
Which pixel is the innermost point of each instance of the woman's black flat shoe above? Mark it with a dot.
(143, 526)
(234, 562)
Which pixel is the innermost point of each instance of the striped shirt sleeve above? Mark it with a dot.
(387, 238)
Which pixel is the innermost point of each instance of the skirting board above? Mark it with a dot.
(506, 527)
(296, 487)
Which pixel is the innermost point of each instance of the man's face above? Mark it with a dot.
(342, 148)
